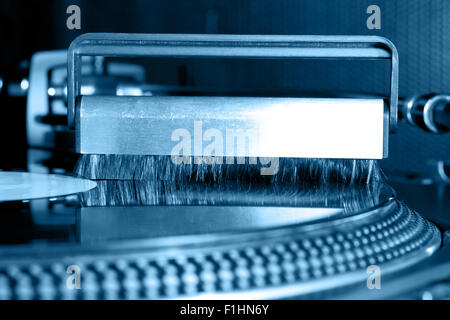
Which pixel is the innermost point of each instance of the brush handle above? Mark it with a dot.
(229, 46)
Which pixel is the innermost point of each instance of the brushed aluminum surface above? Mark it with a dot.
(232, 126)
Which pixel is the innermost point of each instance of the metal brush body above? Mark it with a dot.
(224, 138)
(233, 127)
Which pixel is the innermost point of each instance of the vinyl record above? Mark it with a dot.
(16, 186)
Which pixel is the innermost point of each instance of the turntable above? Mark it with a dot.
(314, 249)
(121, 236)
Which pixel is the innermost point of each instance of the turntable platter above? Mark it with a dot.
(136, 251)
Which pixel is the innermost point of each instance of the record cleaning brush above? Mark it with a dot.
(215, 141)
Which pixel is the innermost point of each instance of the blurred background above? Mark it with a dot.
(419, 29)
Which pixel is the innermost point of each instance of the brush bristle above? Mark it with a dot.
(290, 170)
(145, 192)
